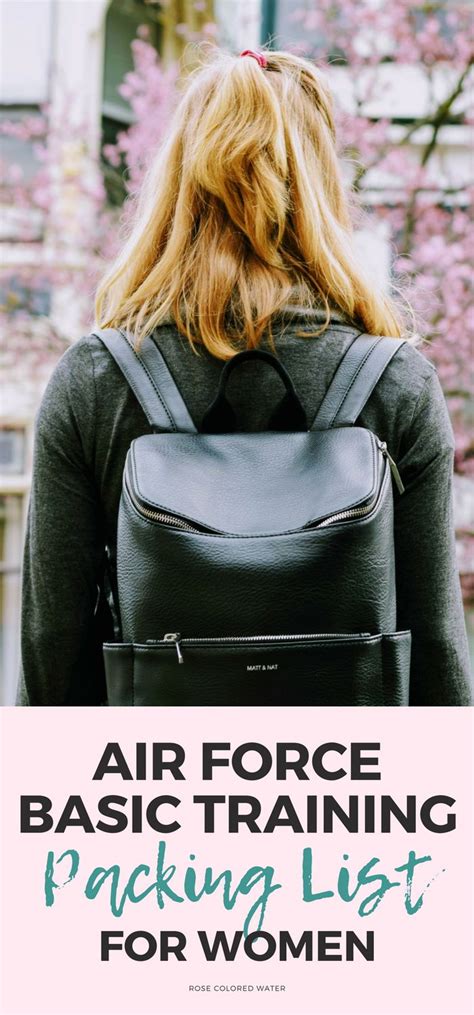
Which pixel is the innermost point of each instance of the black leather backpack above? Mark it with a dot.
(257, 568)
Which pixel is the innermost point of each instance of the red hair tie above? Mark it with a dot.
(262, 60)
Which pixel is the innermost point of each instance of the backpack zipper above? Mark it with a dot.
(176, 639)
(343, 515)
(161, 516)
(178, 523)
(393, 465)
(175, 522)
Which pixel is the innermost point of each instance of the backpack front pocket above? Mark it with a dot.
(297, 669)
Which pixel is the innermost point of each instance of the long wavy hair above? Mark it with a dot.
(243, 202)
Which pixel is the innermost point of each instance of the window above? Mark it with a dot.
(16, 150)
(124, 17)
(19, 165)
(283, 27)
(29, 294)
(12, 451)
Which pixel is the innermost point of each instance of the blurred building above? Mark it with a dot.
(53, 48)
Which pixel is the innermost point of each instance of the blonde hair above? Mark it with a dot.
(243, 201)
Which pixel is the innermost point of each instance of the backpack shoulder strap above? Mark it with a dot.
(150, 380)
(355, 379)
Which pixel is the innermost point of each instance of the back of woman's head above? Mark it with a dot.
(243, 202)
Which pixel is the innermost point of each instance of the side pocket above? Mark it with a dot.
(119, 677)
(396, 654)
(320, 670)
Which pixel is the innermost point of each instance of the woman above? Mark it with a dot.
(242, 238)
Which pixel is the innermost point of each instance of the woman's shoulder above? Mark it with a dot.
(71, 376)
(408, 375)
(67, 412)
(83, 378)
(81, 364)
(411, 361)
(404, 378)
(410, 393)
(77, 359)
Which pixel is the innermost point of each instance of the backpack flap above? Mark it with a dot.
(253, 484)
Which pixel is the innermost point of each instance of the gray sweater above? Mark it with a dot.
(87, 420)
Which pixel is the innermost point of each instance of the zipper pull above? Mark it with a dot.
(176, 638)
(393, 466)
